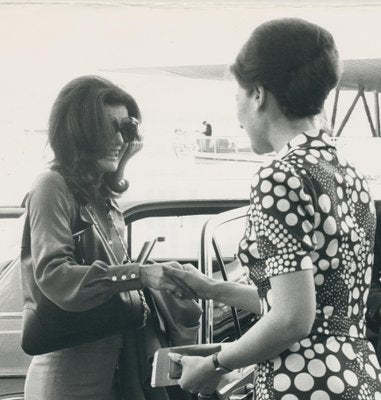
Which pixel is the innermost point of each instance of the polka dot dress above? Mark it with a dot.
(310, 209)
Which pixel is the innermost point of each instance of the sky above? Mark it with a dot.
(45, 44)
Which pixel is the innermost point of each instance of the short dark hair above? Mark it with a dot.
(295, 60)
(79, 130)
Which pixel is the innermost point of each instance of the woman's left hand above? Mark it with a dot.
(198, 375)
(116, 179)
(129, 150)
(190, 276)
(153, 276)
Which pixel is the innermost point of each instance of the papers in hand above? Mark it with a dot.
(166, 372)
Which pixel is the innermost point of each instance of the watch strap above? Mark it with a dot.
(217, 366)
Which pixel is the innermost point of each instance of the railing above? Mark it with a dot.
(228, 148)
(223, 144)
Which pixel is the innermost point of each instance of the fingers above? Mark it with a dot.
(180, 291)
(191, 268)
(176, 286)
(136, 143)
(188, 380)
(176, 357)
(179, 295)
(139, 135)
(179, 279)
(155, 277)
(134, 147)
(174, 272)
(174, 264)
(188, 267)
(171, 270)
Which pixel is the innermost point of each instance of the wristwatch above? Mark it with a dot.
(218, 367)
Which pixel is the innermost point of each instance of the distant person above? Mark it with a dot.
(206, 141)
(309, 236)
(207, 129)
(93, 131)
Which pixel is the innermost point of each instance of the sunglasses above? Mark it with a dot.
(128, 127)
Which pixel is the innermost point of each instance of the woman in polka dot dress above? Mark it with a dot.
(309, 236)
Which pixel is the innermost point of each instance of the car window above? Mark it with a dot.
(229, 235)
(179, 236)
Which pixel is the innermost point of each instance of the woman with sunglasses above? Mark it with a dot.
(309, 234)
(93, 132)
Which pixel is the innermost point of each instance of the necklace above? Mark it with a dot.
(113, 223)
(143, 300)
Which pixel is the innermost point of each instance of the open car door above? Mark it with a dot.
(220, 323)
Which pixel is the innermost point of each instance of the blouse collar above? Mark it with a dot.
(113, 204)
(314, 138)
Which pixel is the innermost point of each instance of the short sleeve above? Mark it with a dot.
(283, 218)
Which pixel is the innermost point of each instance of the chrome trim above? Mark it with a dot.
(13, 398)
(139, 210)
(11, 212)
(206, 266)
(11, 315)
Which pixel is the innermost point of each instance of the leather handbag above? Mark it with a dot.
(179, 319)
(172, 322)
(47, 328)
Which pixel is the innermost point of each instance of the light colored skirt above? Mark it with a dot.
(82, 372)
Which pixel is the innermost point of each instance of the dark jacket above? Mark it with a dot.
(48, 263)
(51, 270)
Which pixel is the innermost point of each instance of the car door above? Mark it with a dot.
(220, 323)
(13, 361)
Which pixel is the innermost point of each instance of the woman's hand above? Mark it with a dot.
(129, 150)
(190, 276)
(153, 276)
(116, 179)
(198, 375)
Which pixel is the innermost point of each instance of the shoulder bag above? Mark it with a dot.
(47, 328)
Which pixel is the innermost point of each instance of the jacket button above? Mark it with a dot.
(124, 277)
(133, 276)
(114, 278)
(110, 242)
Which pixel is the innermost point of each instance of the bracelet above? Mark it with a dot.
(145, 309)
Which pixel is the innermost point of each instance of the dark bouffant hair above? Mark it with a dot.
(80, 131)
(295, 60)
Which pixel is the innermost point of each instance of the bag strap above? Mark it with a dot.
(145, 308)
(93, 219)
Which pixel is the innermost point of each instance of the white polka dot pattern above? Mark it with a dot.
(311, 210)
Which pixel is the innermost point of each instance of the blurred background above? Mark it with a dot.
(45, 44)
